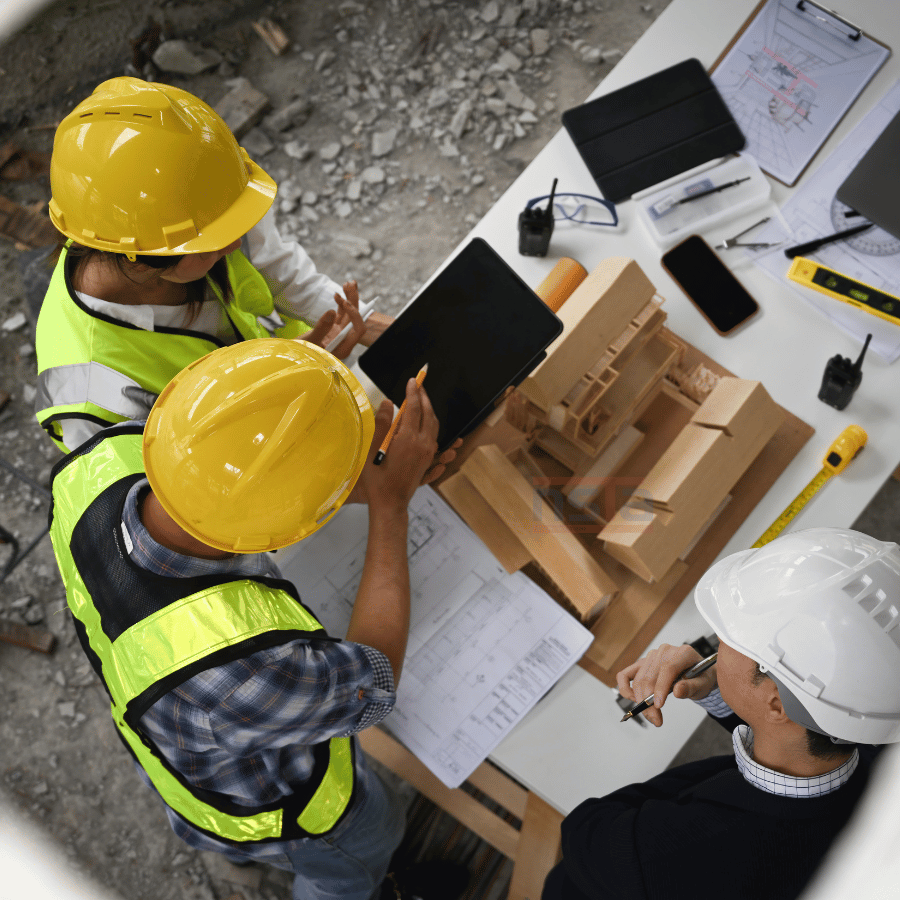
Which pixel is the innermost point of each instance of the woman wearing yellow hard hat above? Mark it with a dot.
(172, 251)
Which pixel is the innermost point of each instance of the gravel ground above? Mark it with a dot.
(391, 127)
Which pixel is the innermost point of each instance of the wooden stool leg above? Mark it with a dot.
(538, 851)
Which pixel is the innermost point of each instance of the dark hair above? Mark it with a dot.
(218, 274)
(817, 744)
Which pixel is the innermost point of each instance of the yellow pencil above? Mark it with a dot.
(379, 456)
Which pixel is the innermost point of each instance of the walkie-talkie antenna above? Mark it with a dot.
(552, 195)
(858, 364)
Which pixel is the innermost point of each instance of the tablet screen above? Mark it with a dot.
(479, 327)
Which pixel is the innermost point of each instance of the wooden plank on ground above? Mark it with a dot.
(462, 806)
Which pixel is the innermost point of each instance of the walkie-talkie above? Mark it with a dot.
(536, 227)
(841, 379)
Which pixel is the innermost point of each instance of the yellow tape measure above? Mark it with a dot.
(849, 442)
(857, 293)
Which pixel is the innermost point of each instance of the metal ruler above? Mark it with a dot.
(849, 442)
(848, 290)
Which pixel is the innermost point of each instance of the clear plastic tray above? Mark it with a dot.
(668, 221)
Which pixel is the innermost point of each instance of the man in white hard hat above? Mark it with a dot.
(808, 678)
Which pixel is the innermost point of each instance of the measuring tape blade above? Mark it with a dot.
(840, 454)
(794, 508)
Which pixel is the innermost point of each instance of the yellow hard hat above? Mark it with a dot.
(255, 446)
(147, 168)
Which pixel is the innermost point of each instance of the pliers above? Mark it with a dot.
(728, 243)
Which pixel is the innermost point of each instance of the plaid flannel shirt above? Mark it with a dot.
(246, 728)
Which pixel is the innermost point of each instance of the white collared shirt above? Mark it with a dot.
(769, 780)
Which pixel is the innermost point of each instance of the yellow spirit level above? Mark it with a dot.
(848, 290)
(849, 442)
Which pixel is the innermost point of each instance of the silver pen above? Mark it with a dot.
(692, 672)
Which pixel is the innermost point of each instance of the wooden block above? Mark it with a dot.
(26, 226)
(594, 315)
(462, 806)
(242, 107)
(688, 483)
(539, 849)
(585, 486)
(27, 636)
(544, 535)
(275, 39)
(477, 513)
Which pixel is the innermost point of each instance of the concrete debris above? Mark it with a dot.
(293, 115)
(242, 107)
(352, 244)
(460, 121)
(324, 60)
(298, 150)
(330, 151)
(383, 142)
(372, 175)
(257, 143)
(185, 57)
(13, 323)
(540, 41)
(490, 11)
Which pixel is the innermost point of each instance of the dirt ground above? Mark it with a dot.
(420, 114)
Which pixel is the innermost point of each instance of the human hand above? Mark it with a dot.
(410, 461)
(658, 673)
(331, 323)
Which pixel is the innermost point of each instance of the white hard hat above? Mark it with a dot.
(819, 610)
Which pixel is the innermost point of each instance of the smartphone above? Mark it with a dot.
(709, 284)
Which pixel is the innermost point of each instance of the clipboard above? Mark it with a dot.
(479, 328)
(789, 75)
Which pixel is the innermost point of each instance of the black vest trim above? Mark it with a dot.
(68, 270)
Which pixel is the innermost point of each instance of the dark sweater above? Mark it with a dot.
(692, 829)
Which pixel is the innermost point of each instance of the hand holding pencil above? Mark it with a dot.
(379, 456)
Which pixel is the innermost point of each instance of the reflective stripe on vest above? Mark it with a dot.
(85, 358)
(181, 634)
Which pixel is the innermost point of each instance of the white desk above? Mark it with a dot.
(572, 745)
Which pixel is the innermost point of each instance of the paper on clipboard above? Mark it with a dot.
(789, 77)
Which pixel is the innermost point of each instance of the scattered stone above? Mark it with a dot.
(372, 175)
(383, 142)
(296, 150)
(460, 120)
(527, 118)
(496, 106)
(612, 55)
(330, 151)
(448, 148)
(509, 62)
(592, 54)
(354, 189)
(242, 107)
(343, 209)
(511, 14)
(185, 58)
(257, 143)
(490, 11)
(540, 41)
(309, 198)
(352, 244)
(325, 59)
(14, 322)
(66, 709)
(293, 115)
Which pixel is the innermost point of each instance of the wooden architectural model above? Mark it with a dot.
(610, 460)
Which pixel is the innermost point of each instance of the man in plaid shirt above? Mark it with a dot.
(238, 708)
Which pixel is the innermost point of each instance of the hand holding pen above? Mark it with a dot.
(667, 669)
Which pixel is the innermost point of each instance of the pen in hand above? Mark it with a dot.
(692, 672)
(379, 456)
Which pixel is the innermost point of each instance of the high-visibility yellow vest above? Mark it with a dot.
(86, 358)
(145, 634)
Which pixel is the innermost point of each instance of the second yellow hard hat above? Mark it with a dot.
(255, 446)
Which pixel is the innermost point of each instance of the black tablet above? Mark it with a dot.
(479, 327)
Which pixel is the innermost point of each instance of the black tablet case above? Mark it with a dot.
(653, 129)
(479, 327)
